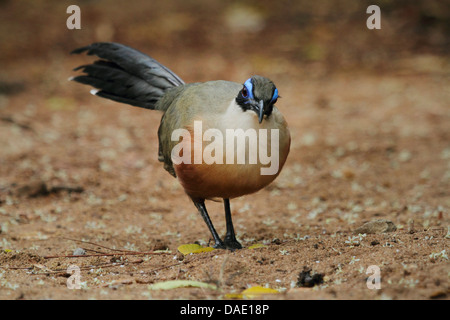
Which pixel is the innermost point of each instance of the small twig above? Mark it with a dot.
(101, 265)
(222, 270)
(131, 253)
(69, 189)
(15, 122)
(108, 248)
(95, 244)
(97, 251)
(16, 268)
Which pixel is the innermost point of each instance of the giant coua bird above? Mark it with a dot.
(126, 75)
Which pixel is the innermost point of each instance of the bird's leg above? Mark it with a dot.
(230, 237)
(202, 209)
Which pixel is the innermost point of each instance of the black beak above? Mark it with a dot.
(260, 109)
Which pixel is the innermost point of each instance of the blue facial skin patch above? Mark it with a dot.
(275, 95)
(249, 85)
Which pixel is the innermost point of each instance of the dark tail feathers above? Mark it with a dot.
(126, 75)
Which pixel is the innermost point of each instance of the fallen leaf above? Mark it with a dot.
(234, 296)
(251, 293)
(173, 284)
(193, 248)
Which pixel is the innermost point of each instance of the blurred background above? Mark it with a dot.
(205, 40)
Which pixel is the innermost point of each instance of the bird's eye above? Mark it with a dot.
(244, 92)
(274, 101)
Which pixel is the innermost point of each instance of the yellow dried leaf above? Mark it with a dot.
(234, 296)
(193, 248)
(251, 293)
(257, 291)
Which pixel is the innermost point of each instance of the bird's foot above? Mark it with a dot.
(228, 243)
(232, 244)
(219, 245)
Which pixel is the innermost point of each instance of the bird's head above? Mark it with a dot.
(258, 94)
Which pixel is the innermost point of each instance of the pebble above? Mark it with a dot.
(79, 252)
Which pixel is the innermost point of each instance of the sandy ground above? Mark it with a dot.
(77, 171)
